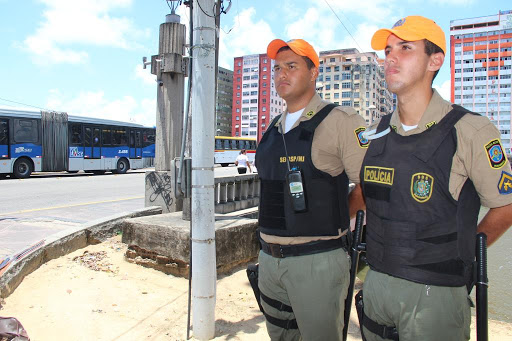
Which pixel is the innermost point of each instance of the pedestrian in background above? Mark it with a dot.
(242, 162)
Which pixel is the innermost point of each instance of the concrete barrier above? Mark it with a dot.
(63, 243)
(163, 242)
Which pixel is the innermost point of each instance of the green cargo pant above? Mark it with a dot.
(315, 286)
(418, 311)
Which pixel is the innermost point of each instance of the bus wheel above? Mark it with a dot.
(224, 164)
(122, 166)
(22, 168)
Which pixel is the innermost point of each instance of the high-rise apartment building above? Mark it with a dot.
(255, 100)
(480, 61)
(354, 79)
(223, 107)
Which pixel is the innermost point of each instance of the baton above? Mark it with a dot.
(482, 282)
(355, 250)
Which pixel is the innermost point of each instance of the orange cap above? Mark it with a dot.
(299, 46)
(411, 28)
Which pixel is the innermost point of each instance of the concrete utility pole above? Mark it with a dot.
(203, 212)
(170, 68)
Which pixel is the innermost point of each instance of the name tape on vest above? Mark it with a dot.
(379, 175)
(293, 158)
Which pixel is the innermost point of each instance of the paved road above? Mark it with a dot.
(31, 209)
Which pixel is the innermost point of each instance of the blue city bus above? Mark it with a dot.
(43, 141)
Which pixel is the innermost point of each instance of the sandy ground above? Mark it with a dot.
(100, 296)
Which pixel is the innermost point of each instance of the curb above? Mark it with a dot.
(63, 243)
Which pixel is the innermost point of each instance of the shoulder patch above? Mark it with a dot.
(363, 141)
(393, 127)
(495, 154)
(505, 183)
(430, 124)
(310, 113)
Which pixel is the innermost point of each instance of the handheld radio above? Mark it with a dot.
(295, 184)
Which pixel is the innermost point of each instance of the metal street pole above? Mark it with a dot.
(203, 129)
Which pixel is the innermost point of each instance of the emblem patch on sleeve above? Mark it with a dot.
(505, 183)
(363, 141)
(310, 113)
(422, 185)
(393, 127)
(495, 154)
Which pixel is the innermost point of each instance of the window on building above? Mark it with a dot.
(336, 86)
(327, 86)
(328, 69)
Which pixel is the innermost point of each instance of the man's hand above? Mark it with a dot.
(496, 222)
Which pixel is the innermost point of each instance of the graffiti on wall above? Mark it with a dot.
(161, 186)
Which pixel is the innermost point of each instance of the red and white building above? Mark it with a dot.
(255, 100)
(481, 68)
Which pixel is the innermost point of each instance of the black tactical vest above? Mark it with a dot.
(326, 196)
(415, 229)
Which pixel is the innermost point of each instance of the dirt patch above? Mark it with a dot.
(95, 294)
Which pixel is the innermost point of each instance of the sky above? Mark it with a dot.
(84, 57)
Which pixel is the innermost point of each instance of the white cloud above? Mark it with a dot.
(95, 104)
(246, 37)
(145, 74)
(69, 25)
(444, 89)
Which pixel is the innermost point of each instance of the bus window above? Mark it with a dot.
(218, 144)
(244, 144)
(75, 134)
(234, 144)
(88, 136)
(227, 145)
(106, 137)
(119, 136)
(4, 132)
(96, 137)
(25, 131)
(138, 141)
(253, 145)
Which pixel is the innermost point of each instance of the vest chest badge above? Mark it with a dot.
(422, 185)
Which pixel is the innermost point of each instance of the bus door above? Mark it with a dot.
(5, 164)
(92, 148)
(135, 144)
(92, 143)
(4, 139)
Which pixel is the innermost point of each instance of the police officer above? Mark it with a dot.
(306, 160)
(429, 166)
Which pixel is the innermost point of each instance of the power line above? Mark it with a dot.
(341, 22)
(28, 105)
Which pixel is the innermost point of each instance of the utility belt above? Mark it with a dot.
(283, 251)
